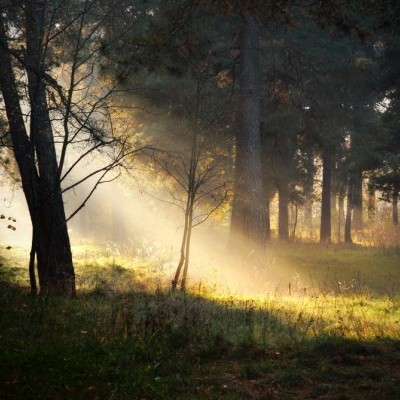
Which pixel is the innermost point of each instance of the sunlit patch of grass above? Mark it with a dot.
(111, 268)
(333, 268)
(278, 321)
(127, 337)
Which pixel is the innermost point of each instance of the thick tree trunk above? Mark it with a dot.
(283, 213)
(395, 213)
(357, 202)
(56, 272)
(22, 147)
(41, 189)
(20, 140)
(248, 223)
(325, 231)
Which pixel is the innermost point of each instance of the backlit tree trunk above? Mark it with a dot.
(325, 231)
(395, 213)
(40, 184)
(55, 268)
(341, 216)
(357, 202)
(349, 203)
(283, 213)
(371, 201)
(248, 223)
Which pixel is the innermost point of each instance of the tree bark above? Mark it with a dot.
(325, 231)
(248, 221)
(175, 281)
(395, 213)
(371, 201)
(41, 187)
(294, 218)
(283, 213)
(341, 216)
(22, 147)
(347, 226)
(187, 250)
(32, 276)
(55, 267)
(309, 191)
(357, 201)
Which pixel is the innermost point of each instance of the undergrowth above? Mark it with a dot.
(126, 337)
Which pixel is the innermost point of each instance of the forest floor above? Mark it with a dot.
(329, 330)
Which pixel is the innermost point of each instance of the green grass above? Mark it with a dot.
(335, 268)
(126, 337)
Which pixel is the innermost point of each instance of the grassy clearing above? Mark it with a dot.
(126, 337)
(335, 268)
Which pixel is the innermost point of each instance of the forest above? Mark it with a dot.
(199, 199)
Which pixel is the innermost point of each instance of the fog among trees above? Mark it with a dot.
(256, 121)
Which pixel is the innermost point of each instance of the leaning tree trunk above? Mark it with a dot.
(22, 146)
(248, 223)
(175, 281)
(55, 268)
(325, 231)
(187, 249)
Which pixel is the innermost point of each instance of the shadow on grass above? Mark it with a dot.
(134, 344)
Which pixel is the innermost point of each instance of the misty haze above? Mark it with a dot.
(199, 199)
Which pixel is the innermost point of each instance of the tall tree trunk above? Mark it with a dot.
(309, 191)
(357, 201)
(395, 213)
(371, 201)
(267, 220)
(308, 210)
(175, 281)
(56, 272)
(341, 216)
(347, 226)
(187, 250)
(325, 231)
(41, 187)
(267, 145)
(22, 146)
(32, 276)
(294, 219)
(283, 213)
(248, 222)
(334, 212)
